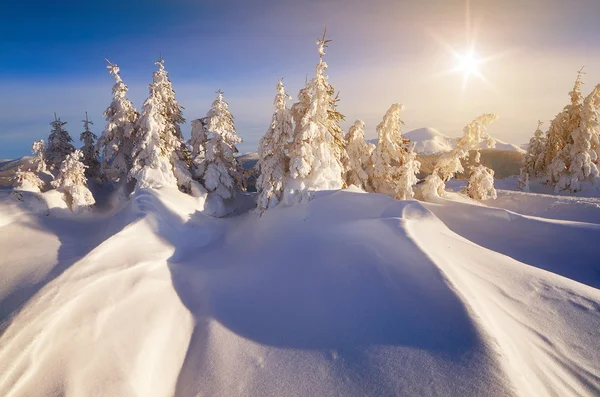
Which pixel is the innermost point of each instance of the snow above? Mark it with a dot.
(429, 141)
(501, 145)
(346, 294)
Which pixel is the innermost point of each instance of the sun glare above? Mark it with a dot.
(468, 64)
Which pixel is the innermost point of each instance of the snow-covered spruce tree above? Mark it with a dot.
(579, 157)
(222, 173)
(159, 153)
(533, 161)
(89, 150)
(394, 165)
(559, 135)
(59, 144)
(450, 163)
(71, 181)
(116, 142)
(272, 161)
(197, 143)
(316, 148)
(360, 164)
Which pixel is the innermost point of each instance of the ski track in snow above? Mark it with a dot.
(349, 294)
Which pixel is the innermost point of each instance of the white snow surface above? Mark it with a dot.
(350, 293)
(429, 141)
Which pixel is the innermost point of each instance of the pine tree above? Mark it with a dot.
(559, 141)
(38, 149)
(394, 165)
(89, 150)
(159, 153)
(272, 162)
(533, 161)
(449, 163)
(222, 172)
(116, 142)
(197, 143)
(317, 146)
(581, 158)
(359, 167)
(59, 144)
(71, 181)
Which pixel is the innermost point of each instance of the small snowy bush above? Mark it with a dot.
(71, 181)
(481, 183)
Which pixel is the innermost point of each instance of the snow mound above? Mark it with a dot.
(346, 294)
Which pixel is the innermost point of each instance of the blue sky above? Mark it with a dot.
(382, 52)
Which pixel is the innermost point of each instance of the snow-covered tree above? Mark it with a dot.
(26, 179)
(159, 153)
(272, 162)
(89, 150)
(394, 165)
(116, 142)
(360, 165)
(317, 146)
(222, 172)
(481, 183)
(523, 182)
(197, 144)
(59, 144)
(38, 160)
(34, 175)
(71, 181)
(533, 161)
(577, 160)
(559, 133)
(449, 163)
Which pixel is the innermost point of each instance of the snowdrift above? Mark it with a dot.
(348, 294)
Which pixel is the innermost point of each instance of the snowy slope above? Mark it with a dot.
(349, 294)
(501, 145)
(429, 141)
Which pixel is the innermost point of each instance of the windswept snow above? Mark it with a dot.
(346, 294)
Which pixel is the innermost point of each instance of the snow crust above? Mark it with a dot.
(346, 294)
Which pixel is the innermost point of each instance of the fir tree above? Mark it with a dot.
(159, 157)
(59, 144)
(222, 172)
(317, 146)
(89, 150)
(580, 157)
(359, 166)
(533, 161)
(197, 143)
(116, 143)
(273, 163)
(394, 165)
(559, 140)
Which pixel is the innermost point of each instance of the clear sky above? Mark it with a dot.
(382, 52)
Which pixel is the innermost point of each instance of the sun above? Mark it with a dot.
(468, 64)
